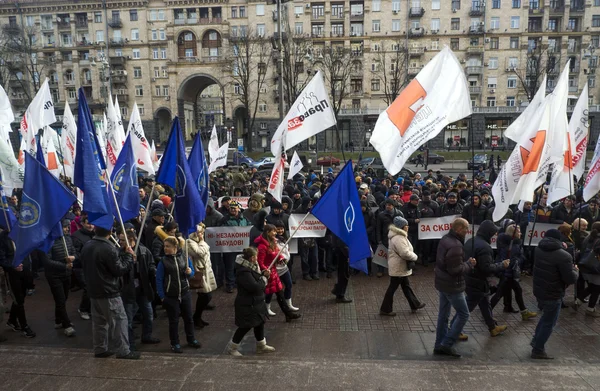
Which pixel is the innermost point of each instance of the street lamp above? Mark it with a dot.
(104, 75)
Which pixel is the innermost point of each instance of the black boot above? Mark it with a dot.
(289, 314)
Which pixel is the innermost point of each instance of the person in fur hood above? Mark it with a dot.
(199, 252)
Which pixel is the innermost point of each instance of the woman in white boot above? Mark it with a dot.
(250, 307)
(284, 273)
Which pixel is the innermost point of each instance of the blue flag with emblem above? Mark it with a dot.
(125, 184)
(199, 168)
(39, 219)
(39, 154)
(7, 218)
(175, 171)
(88, 175)
(339, 209)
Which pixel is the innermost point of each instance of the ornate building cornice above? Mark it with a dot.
(47, 6)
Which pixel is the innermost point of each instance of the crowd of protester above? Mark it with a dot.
(123, 281)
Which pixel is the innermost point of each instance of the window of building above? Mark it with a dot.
(495, 23)
(157, 90)
(137, 72)
(263, 126)
(237, 89)
(516, 3)
(455, 4)
(435, 24)
(511, 101)
(262, 107)
(436, 4)
(163, 53)
(298, 10)
(376, 26)
(454, 44)
(242, 11)
(376, 5)
(72, 94)
(189, 53)
(260, 9)
(513, 62)
(133, 15)
(514, 42)
(29, 21)
(595, 20)
(493, 63)
(596, 3)
(141, 110)
(395, 24)
(154, 34)
(515, 22)
(97, 17)
(162, 35)
(491, 101)
(494, 43)
(260, 30)
(69, 76)
(124, 112)
(155, 53)
(165, 91)
(455, 24)
(496, 4)
(396, 5)
(435, 44)
(492, 82)
(139, 90)
(511, 82)
(592, 82)
(156, 72)
(375, 85)
(136, 53)
(135, 34)
(299, 29)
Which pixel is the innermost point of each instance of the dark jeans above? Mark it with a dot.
(448, 336)
(145, 306)
(477, 298)
(343, 274)
(326, 259)
(388, 300)
(505, 289)
(259, 333)
(228, 269)
(550, 311)
(18, 289)
(286, 280)
(216, 259)
(176, 308)
(201, 303)
(593, 291)
(59, 286)
(131, 309)
(84, 305)
(309, 257)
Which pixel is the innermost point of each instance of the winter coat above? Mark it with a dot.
(145, 268)
(265, 257)
(7, 250)
(480, 212)
(370, 225)
(213, 216)
(552, 271)
(449, 210)
(149, 232)
(450, 265)
(171, 280)
(428, 208)
(272, 218)
(103, 267)
(55, 261)
(560, 215)
(384, 220)
(250, 306)
(590, 217)
(400, 253)
(199, 252)
(516, 254)
(158, 246)
(231, 221)
(484, 255)
(411, 213)
(80, 238)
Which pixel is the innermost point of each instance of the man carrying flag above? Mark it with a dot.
(125, 184)
(340, 210)
(199, 168)
(7, 218)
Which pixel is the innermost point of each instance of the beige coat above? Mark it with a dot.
(400, 252)
(199, 252)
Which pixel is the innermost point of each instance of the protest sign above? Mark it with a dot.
(381, 256)
(537, 235)
(310, 228)
(227, 239)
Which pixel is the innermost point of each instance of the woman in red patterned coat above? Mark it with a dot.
(267, 251)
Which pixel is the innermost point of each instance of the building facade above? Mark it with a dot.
(178, 57)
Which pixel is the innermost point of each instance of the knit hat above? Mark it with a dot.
(166, 200)
(400, 222)
(553, 233)
(414, 197)
(364, 186)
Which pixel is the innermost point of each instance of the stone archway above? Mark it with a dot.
(189, 99)
(162, 119)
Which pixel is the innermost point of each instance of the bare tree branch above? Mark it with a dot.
(390, 70)
(336, 65)
(532, 73)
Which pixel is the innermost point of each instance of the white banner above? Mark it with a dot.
(213, 144)
(228, 239)
(381, 256)
(243, 201)
(310, 228)
(220, 159)
(295, 165)
(139, 143)
(431, 228)
(538, 234)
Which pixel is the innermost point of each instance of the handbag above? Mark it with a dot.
(590, 264)
(197, 280)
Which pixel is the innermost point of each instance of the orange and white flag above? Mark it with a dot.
(139, 143)
(436, 97)
(277, 179)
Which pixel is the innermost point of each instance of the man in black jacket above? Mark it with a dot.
(343, 269)
(451, 207)
(450, 269)
(413, 215)
(553, 271)
(477, 286)
(103, 268)
(58, 264)
(80, 238)
(475, 212)
(563, 213)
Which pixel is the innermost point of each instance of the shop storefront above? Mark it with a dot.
(494, 133)
(457, 135)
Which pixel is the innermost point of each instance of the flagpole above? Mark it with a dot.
(535, 218)
(5, 217)
(337, 131)
(112, 192)
(290, 238)
(473, 181)
(139, 238)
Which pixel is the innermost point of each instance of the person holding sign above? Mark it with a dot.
(401, 260)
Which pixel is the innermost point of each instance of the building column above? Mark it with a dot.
(181, 112)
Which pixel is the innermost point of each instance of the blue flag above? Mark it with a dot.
(199, 168)
(339, 209)
(125, 184)
(88, 176)
(44, 203)
(7, 218)
(175, 172)
(39, 154)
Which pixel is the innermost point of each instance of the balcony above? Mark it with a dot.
(81, 24)
(416, 51)
(535, 29)
(556, 8)
(119, 79)
(357, 93)
(476, 11)
(14, 82)
(180, 21)
(53, 83)
(338, 15)
(214, 20)
(117, 41)
(11, 28)
(358, 16)
(573, 49)
(475, 49)
(47, 26)
(574, 68)
(211, 59)
(536, 11)
(117, 60)
(416, 32)
(19, 101)
(476, 30)
(115, 23)
(317, 16)
(475, 90)
(86, 82)
(474, 70)
(416, 12)
(64, 25)
(577, 8)
(84, 43)
(413, 71)
(122, 95)
(573, 89)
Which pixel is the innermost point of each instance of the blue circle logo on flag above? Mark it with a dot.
(349, 217)
(119, 175)
(29, 214)
(180, 181)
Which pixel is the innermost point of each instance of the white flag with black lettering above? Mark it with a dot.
(220, 159)
(213, 144)
(295, 165)
(141, 148)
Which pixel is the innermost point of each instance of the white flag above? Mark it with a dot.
(562, 183)
(276, 181)
(155, 161)
(141, 149)
(40, 113)
(295, 165)
(115, 135)
(213, 144)
(515, 129)
(12, 171)
(48, 142)
(310, 114)
(100, 134)
(6, 115)
(437, 96)
(68, 141)
(220, 158)
(527, 165)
